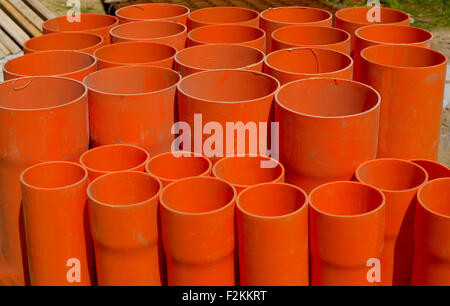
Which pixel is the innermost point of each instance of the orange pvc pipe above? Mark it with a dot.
(249, 170)
(387, 34)
(276, 18)
(272, 222)
(350, 19)
(346, 228)
(93, 23)
(114, 158)
(227, 34)
(72, 41)
(42, 118)
(289, 65)
(197, 224)
(173, 166)
(222, 15)
(68, 64)
(399, 180)
(135, 53)
(133, 105)
(311, 36)
(164, 32)
(218, 56)
(57, 232)
(226, 96)
(153, 11)
(411, 83)
(433, 168)
(327, 128)
(431, 265)
(123, 212)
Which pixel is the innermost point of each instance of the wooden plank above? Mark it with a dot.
(20, 19)
(4, 50)
(13, 29)
(40, 9)
(28, 13)
(8, 42)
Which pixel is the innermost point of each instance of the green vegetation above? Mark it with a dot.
(427, 14)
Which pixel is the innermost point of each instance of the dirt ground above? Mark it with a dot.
(441, 37)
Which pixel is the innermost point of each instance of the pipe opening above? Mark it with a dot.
(327, 97)
(247, 171)
(434, 169)
(152, 11)
(271, 200)
(346, 198)
(223, 15)
(135, 52)
(169, 167)
(308, 60)
(124, 188)
(63, 41)
(394, 34)
(228, 85)
(147, 29)
(210, 57)
(112, 158)
(49, 63)
(403, 56)
(131, 80)
(198, 195)
(225, 33)
(310, 35)
(359, 15)
(53, 175)
(391, 174)
(39, 92)
(435, 196)
(295, 14)
(88, 22)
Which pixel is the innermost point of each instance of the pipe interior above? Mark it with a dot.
(392, 175)
(131, 80)
(152, 11)
(359, 15)
(308, 60)
(124, 188)
(436, 196)
(88, 22)
(434, 169)
(39, 92)
(295, 14)
(114, 158)
(394, 34)
(228, 85)
(310, 35)
(168, 166)
(53, 175)
(228, 33)
(346, 198)
(135, 52)
(198, 195)
(327, 97)
(246, 171)
(272, 200)
(148, 29)
(223, 15)
(63, 41)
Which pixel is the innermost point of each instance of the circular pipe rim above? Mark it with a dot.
(77, 183)
(180, 152)
(330, 16)
(132, 67)
(339, 12)
(228, 70)
(304, 206)
(43, 53)
(262, 33)
(377, 105)
(119, 11)
(103, 172)
(421, 202)
(207, 213)
(38, 38)
(128, 24)
(358, 176)
(363, 55)
(133, 42)
(318, 74)
(190, 49)
(387, 25)
(121, 206)
(224, 159)
(378, 208)
(84, 94)
(49, 21)
(222, 7)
